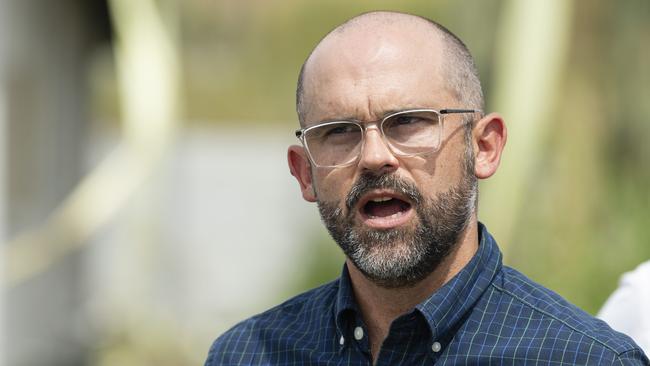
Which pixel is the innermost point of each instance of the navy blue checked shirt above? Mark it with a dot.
(488, 314)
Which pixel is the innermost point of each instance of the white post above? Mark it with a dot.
(3, 236)
(3, 177)
(42, 46)
(531, 54)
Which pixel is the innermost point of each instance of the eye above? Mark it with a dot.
(407, 119)
(411, 120)
(340, 129)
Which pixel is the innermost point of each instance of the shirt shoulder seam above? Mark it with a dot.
(617, 353)
(627, 352)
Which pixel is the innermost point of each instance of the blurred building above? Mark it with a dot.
(44, 47)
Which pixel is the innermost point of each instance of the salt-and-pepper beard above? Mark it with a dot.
(402, 257)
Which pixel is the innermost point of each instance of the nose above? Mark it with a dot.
(376, 156)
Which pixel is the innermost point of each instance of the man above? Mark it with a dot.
(393, 142)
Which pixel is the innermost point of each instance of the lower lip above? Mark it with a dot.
(388, 222)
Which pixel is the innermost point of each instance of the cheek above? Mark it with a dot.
(332, 185)
(438, 172)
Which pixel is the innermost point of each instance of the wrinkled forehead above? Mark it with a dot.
(366, 71)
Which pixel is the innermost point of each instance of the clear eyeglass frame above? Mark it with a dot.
(300, 133)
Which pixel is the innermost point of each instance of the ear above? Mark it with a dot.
(300, 168)
(489, 135)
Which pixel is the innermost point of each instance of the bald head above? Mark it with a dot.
(352, 51)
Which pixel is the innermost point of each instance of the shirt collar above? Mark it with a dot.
(445, 307)
(449, 304)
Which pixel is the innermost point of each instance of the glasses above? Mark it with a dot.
(411, 132)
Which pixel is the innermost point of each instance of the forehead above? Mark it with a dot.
(365, 72)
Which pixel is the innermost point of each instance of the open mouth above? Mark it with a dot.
(384, 211)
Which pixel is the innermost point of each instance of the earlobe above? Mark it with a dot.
(490, 135)
(300, 168)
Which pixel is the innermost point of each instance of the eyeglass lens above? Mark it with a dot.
(340, 143)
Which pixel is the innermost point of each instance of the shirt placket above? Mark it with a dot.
(409, 343)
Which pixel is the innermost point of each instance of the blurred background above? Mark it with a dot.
(146, 205)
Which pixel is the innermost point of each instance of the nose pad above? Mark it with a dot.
(376, 154)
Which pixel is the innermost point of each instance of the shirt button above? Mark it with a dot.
(342, 341)
(436, 347)
(358, 333)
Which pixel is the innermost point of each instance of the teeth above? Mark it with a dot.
(381, 199)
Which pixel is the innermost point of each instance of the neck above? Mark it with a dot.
(380, 306)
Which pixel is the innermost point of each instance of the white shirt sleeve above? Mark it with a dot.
(628, 309)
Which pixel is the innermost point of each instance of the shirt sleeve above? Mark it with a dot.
(626, 310)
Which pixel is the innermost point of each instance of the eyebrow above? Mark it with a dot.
(384, 113)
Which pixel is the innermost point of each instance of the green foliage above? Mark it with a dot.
(242, 64)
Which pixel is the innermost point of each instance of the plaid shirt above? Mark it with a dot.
(487, 314)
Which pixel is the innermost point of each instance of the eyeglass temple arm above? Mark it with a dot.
(450, 111)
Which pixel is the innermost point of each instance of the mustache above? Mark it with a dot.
(368, 182)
